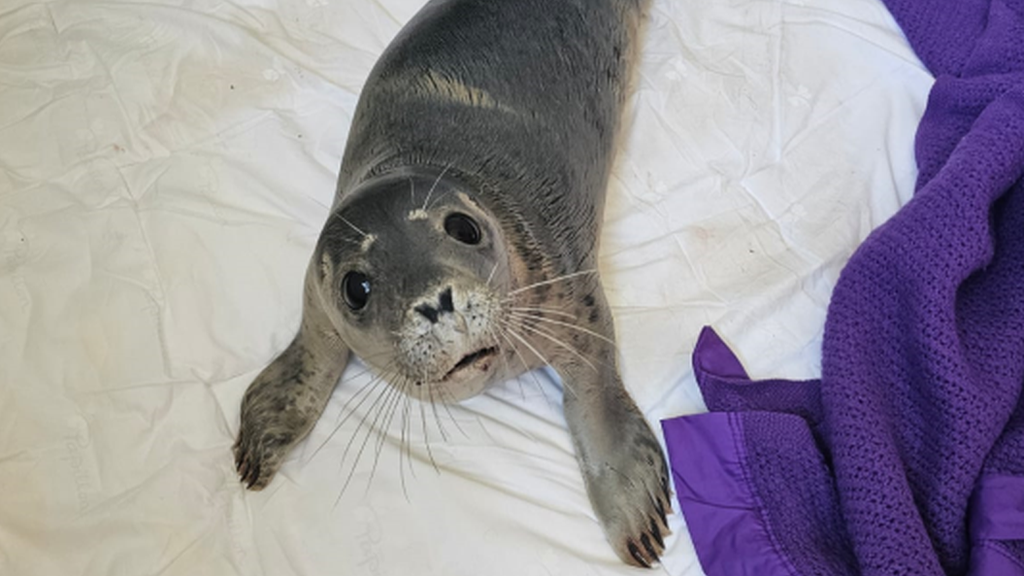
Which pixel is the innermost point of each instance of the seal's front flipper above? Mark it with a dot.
(286, 399)
(622, 463)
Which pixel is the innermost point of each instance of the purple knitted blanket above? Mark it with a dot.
(907, 457)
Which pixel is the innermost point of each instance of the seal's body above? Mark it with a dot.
(461, 246)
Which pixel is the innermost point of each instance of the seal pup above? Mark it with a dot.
(461, 246)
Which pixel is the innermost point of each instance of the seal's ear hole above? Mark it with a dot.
(462, 228)
(356, 288)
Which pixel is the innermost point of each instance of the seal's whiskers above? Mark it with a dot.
(497, 329)
(437, 417)
(388, 411)
(494, 331)
(446, 401)
(511, 330)
(347, 410)
(406, 431)
(376, 409)
(512, 293)
(539, 310)
(426, 201)
(426, 436)
(353, 226)
(491, 275)
(541, 318)
(546, 334)
(526, 365)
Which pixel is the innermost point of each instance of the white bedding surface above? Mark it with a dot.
(165, 167)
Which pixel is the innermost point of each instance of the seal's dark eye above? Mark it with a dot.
(462, 228)
(356, 287)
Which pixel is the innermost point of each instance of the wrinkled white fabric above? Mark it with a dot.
(165, 167)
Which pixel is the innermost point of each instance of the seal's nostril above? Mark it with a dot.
(428, 312)
(446, 301)
(445, 305)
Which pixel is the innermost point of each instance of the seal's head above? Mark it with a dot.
(413, 271)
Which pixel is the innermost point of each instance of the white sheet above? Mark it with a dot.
(165, 167)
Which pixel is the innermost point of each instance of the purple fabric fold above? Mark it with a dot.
(719, 499)
(997, 508)
(907, 456)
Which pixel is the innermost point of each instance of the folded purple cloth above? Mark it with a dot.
(907, 457)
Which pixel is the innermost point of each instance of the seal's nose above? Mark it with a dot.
(446, 300)
(444, 306)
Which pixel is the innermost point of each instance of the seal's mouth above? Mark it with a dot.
(477, 358)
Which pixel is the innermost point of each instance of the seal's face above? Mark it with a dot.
(413, 273)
